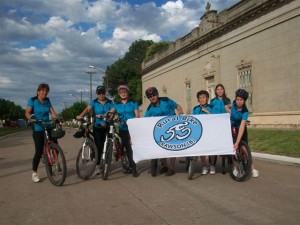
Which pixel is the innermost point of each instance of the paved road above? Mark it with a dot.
(273, 198)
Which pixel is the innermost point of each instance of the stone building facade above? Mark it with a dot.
(255, 45)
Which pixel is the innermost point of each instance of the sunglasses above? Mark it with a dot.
(100, 93)
(150, 96)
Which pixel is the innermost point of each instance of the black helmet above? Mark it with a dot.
(79, 133)
(151, 91)
(57, 132)
(242, 94)
(100, 90)
(203, 92)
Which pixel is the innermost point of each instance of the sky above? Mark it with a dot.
(56, 41)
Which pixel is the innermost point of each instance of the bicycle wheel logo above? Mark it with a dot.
(176, 133)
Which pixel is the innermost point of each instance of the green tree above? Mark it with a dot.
(156, 47)
(71, 112)
(128, 70)
(9, 110)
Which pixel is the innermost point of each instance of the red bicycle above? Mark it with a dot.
(53, 155)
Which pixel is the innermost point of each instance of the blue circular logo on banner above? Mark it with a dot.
(176, 133)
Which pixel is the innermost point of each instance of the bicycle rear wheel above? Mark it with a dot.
(86, 160)
(192, 165)
(240, 163)
(106, 162)
(153, 167)
(55, 162)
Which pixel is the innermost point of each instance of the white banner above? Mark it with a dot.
(180, 135)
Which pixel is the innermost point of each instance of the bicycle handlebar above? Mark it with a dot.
(50, 122)
(109, 116)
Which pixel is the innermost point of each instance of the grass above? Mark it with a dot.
(279, 142)
(10, 130)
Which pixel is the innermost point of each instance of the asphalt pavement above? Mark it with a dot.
(273, 198)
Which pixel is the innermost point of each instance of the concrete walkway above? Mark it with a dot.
(279, 158)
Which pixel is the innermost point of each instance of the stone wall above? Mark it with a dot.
(268, 44)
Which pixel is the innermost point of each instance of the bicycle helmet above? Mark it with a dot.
(58, 132)
(242, 94)
(203, 93)
(79, 133)
(123, 86)
(100, 90)
(151, 91)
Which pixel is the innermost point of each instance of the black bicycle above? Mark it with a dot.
(239, 164)
(87, 157)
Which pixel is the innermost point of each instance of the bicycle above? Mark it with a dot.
(239, 165)
(87, 157)
(112, 147)
(191, 165)
(53, 155)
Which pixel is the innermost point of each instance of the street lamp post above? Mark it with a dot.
(99, 69)
(90, 72)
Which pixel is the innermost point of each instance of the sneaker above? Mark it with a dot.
(35, 177)
(164, 169)
(98, 170)
(255, 173)
(235, 172)
(212, 170)
(204, 170)
(135, 173)
(170, 172)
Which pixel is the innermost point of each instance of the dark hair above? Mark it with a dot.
(43, 86)
(202, 92)
(222, 86)
(242, 94)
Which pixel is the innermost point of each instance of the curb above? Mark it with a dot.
(276, 158)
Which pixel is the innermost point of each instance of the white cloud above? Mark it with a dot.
(54, 41)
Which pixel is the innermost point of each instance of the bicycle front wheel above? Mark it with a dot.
(106, 162)
(86, 160)
(240, 163)
(192, 165)
(154, 167)
(55, 162)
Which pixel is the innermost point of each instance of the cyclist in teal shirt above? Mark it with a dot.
(127, 109)
(40, 107)
(219, 104)
(162, 106)
(204, 108)
(239, 116)
(100, 106)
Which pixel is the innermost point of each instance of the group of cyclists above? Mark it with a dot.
(41, 107)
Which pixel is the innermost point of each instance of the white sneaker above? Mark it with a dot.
(98, 171)
(212, 170)
(204, 170)
(35, 177)
(255, 173)
(236, 172)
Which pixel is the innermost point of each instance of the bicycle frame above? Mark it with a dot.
(117, 150)
(47, 142)
(53, 155)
